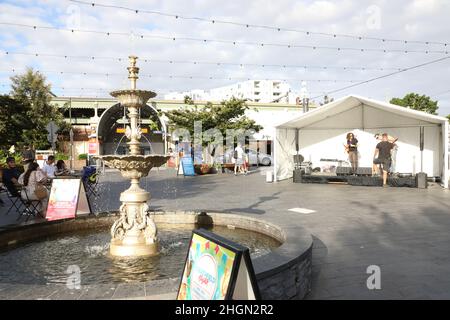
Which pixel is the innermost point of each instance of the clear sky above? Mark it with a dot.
(418, 20)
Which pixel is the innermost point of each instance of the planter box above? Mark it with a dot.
(77, 164)
(204, 169)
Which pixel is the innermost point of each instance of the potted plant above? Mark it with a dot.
(202, 168)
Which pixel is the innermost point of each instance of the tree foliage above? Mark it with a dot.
(417, 102)
(229, 114)
(13, 121)
(25, 113)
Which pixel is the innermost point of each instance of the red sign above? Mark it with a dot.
(92, 148)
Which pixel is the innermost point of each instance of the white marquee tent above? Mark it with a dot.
(320, 134)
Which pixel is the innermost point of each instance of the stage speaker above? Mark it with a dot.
(297, 176)
(365, 181)
(364, 171)
(409, 182)
(343, 171)
(421, 180)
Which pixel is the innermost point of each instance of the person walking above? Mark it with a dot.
(238, 157)
(246, 161)
(382, 156)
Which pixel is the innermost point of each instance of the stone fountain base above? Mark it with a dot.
(119, 248)
(134, 233)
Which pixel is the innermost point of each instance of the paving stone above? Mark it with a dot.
(127, 290)
(100, 291)
(407, 232)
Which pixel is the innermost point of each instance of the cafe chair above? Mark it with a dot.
(15, 199)
(91, 183)
(31, 207)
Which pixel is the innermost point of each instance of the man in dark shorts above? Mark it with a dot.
(382, 156)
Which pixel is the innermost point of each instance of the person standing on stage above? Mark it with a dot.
(352, 149)
(382, 156)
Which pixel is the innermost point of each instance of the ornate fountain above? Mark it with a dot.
(134, 233)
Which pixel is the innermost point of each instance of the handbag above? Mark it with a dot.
(40, 191)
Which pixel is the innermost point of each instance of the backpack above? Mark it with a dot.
(235, 154)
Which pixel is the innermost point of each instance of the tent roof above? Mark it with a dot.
(350, 102)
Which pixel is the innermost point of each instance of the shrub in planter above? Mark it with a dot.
(202, 168)
(61, 156)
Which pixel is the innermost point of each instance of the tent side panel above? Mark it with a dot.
(446, 155)
(284, 151)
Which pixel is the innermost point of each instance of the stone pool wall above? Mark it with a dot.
(285, 273)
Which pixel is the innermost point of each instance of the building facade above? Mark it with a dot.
(262, 91)
(99, 124)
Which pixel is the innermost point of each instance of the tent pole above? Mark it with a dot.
(421, 141)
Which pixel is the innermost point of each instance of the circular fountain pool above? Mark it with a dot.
(49, 260)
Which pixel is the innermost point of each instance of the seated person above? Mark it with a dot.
(30, 179)
(49, 167)
(10, 177)
(61, 169)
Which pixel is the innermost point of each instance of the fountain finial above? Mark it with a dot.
(133, 71)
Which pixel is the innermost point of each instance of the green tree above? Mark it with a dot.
(13, 120)
(417, 102)
(32, 92)
(228, 114)
(448, 117)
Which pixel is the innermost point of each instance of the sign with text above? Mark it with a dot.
(92, 148)
(67, 199)
(217, 269)
(187, 166)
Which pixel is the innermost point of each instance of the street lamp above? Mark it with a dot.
(71, 149)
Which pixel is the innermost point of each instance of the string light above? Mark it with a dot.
(241, 65)
(257, 26)
(383, 76)
(190, 77)
(206, 41)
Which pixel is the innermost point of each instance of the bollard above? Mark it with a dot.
(269, 176)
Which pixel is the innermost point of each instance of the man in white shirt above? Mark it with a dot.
(49, 167)
(238, 159)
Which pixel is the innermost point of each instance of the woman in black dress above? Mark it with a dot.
(352, 149)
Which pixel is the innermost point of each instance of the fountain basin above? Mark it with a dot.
(133, 98)
(134, 166)
(282, 273)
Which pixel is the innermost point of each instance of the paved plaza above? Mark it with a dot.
(403, 231)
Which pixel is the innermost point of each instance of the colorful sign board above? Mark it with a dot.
(92, 148)
(67, 199)
(187, 166)
(217, 269)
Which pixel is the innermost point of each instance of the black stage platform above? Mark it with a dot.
(362, 180)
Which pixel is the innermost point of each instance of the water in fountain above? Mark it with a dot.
(118, 144)
(47, 261)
